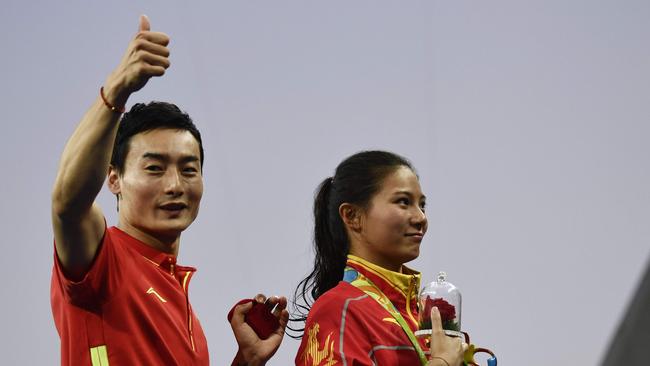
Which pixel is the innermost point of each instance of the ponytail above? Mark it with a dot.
(330, 241)
(330, 256)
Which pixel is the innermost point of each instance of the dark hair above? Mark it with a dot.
(146, 117)
(356, 180)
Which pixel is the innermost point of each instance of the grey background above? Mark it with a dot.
(527, 121)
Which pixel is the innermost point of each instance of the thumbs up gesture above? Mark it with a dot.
(147, 55)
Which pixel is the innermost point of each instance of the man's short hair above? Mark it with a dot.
(146, 117)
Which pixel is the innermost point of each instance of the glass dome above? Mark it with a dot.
(446, 297)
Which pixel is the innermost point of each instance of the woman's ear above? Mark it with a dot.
(113, 181)
(351, 216)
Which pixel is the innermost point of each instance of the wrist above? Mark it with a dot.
(438, 361)
(238, 360)
(249, 360)
(115, 93)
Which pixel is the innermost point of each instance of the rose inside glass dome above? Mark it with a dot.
(447, 314)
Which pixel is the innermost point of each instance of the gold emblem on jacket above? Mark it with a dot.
(314, 351)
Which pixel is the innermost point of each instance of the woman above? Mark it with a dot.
(369, 221)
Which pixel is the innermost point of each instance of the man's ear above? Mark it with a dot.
(113, 181)
(351, 216)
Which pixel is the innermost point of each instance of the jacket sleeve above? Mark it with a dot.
(97, 284)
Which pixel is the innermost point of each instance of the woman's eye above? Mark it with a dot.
(403, 201)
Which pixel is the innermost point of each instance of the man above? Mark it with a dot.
(118, 296)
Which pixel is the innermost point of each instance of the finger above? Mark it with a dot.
(436, 322)
(260, 298)
(154, 60)
(271, 303)
(436, 326)
(155, 37)
(283, 320)
(143, 44)
(151, 70)
(281, 305)
(144, 24)
(276, 300)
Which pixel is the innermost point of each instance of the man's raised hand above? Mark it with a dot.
(146, 56)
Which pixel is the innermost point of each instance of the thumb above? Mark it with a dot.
(436, 321)
(238, 316)
(144, 24)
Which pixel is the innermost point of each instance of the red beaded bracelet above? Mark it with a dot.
(109, 105)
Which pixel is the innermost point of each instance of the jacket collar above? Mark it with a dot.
(384, 278)
(161, 259)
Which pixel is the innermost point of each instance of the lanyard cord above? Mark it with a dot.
(364, 284)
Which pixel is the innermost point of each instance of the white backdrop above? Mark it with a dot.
(527, 121)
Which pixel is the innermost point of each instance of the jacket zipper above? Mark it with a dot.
(190, 330)
(408, 302)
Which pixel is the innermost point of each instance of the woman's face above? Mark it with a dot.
(393, 225)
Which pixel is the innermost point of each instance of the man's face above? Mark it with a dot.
(161, 186)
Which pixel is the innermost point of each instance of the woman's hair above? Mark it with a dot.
(356, 180)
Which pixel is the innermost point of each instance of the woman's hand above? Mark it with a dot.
(445, 350)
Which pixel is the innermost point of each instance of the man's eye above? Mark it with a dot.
(153, 168)
(190, 170)
(423, 207)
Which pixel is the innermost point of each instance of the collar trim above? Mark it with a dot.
(156, 257)
(399, 281)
